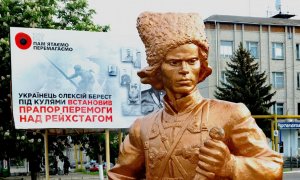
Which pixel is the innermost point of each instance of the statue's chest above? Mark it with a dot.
(174, 145)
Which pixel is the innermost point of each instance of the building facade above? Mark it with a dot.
(275, 45)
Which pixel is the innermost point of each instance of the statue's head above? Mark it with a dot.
(163, 32)
(77, 67)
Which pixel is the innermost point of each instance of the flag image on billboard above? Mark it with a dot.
(73, 79)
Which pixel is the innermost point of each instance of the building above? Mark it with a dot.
(275, 45)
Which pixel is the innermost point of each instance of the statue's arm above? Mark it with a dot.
(73, 76)
(131, 157)
(253, 158)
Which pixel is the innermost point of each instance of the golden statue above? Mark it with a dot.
(191, 137)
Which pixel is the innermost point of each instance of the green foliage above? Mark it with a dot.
(52, 14)
(82, 20)
(247, 85)
(94, 173)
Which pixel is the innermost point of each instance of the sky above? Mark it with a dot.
(121, 15)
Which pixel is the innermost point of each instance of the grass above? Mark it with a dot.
(80, 170)
(289, 169)
(91, 173)
(83, 171)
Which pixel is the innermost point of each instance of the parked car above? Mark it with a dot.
(104, 165)
(88, 165)
(94, 167)
(72, 165)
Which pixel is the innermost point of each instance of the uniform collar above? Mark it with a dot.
(183, 105)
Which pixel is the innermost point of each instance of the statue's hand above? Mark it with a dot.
(215, 156)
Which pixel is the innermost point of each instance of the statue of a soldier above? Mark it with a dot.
(177, 142)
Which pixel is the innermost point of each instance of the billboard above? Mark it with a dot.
(76, 79)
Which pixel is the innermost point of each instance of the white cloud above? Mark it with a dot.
(121, 14)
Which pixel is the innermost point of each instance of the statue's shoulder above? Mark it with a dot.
(151, 117)
(234, 111)
(147, 120)
(141, 126)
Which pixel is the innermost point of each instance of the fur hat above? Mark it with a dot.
(161, 32)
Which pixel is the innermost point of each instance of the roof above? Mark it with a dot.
(252, 20)
(283, 16)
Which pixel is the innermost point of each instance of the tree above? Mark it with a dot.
(244, 83)
(52, 14)
(94, 145)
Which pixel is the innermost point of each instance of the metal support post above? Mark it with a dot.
(46, 155)
(276, 129)
(107, 149)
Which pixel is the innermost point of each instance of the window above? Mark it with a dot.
(223, 77)
(278, 80)
(226, 49)
(290, 32)
(298, 80)
(252, 47)
(277, 51)
(298, 51)
(278, 108)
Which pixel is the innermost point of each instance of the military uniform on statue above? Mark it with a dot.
(192, 137)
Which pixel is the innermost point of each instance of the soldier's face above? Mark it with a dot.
(180, 70)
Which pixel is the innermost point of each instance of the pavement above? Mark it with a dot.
(291, 174)
(71, 176)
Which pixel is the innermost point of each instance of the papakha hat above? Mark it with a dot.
(161, 32)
